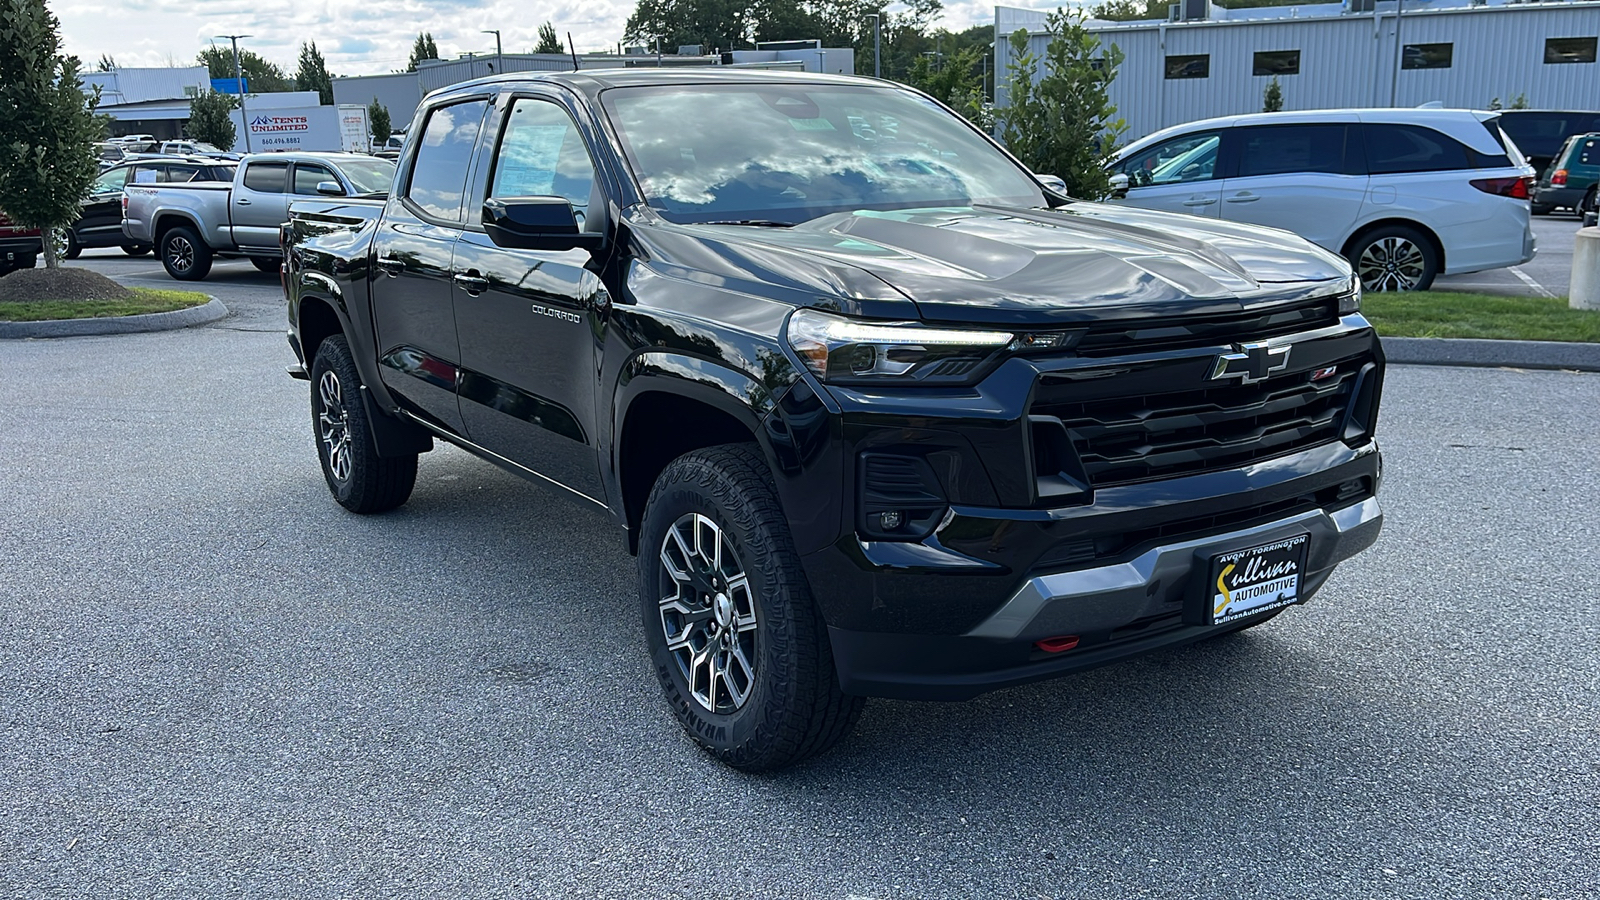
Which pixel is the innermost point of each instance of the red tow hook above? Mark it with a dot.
(1057, 644)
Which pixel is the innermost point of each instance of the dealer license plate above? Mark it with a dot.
(1246, 582)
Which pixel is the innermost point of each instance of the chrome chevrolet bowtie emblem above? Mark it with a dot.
(1251, 362)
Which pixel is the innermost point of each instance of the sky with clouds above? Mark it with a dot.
(359, 37)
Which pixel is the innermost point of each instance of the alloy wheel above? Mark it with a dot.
(180, 253)
(1392, 264)
(334, 426)
(708, 613)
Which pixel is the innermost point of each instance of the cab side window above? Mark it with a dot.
(542, 154)
(307, 177)
(268, 178)
(113, 180)
(438, 178)
(1192, 157)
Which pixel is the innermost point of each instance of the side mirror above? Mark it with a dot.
(330, 188)
(1053, 182)
(536, 223)
(1119, 185)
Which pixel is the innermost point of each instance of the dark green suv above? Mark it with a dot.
(1570, 180)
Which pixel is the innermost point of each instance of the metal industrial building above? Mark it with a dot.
(401, 92)
(1460, 53)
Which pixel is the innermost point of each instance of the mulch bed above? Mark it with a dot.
(30, 285)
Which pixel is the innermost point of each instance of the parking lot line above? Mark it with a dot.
(1528, 280)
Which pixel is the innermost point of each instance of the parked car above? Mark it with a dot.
(1539, 133)
(1404, 194)
(19, 247)
(1570, 180)
(197, 148)
(880, 415)
(390, 149)
(100, 223)
(190, 224)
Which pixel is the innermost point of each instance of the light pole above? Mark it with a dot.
(238, 83)
(877, 44)
(499, 57)
(1399, 55)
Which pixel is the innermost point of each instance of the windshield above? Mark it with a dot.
(791, 152)
(203, 147)
(368, 176)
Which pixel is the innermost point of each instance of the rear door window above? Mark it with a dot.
(1393, 149)
(268, 178)
(438, 178)
(1280, 149)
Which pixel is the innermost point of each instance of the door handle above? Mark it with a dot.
(244, 201)
(1244, 197)
(1199, 201)
(471, 282)
(391, 266)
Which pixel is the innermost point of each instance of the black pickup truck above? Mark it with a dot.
(878, 413)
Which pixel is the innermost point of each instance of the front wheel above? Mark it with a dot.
(360, 479)
(739, 647)
(1394, 258)
(184, 255)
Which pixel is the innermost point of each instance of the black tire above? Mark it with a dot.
(184, 255)
(24, 262)
(1541, 209)
(136, 249)
(793, 707)
(74, 249)
(1394, 257)
(266, 264)
(360, 479)
(1587, 204)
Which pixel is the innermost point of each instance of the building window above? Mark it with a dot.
(1189, 66)
(1426, 56)
(1276, 62)
(1569, 50)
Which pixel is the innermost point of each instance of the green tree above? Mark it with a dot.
(1520, 101)
(211, 119)
(312, 73)
(958, 85)
(1272, 97)
(378, 117)
(107, 63)
(1062, 122)
(422, 48)
(549, 41)
(48, 126)
(261, 76)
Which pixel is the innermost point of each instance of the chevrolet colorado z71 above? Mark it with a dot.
(878, 413)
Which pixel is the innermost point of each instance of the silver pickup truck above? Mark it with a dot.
(190, 224)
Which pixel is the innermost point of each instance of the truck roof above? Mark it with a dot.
(591, 82)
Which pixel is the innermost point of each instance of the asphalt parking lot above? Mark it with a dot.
(216, 683)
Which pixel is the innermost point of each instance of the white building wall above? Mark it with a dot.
(1346, 60)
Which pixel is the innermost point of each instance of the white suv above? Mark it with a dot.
(1404, 194)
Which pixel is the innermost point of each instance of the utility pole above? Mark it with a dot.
(238, 83)
(499, 57)
(877, 44)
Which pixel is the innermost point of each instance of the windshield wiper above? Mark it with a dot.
(754, 223)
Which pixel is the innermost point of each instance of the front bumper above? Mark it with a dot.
(1115, 611)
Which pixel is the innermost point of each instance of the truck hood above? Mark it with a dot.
(1026, 266)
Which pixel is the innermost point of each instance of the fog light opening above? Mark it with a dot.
(1057, 644)
(890, 521)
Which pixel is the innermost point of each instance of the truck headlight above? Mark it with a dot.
(1350, 301)
(843, 351)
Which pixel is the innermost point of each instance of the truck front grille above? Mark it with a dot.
(1121, 440)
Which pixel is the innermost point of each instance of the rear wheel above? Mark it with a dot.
(1394, 258)
(739, 647)
(1542, 209)
(136, 249)
(360, 479)
(184, 255)
(70, 248)
(266, 264)
(1587, 204)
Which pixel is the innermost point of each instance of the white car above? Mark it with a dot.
(1404, 194)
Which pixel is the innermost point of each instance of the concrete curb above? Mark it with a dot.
(1582, 357)
(161, 321)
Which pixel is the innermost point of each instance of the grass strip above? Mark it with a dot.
(144, 300)
(1443, 314)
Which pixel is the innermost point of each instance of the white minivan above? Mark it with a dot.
(1404, 194)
